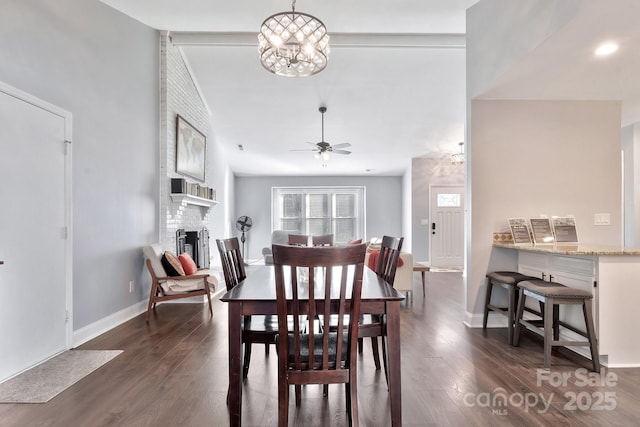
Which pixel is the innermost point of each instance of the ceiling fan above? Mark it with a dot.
(323, 148)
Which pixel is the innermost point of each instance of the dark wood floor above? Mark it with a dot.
(173, 372)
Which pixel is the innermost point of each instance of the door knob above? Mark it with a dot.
(433, 228)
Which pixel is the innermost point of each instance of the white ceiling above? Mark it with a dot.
(390, 103)
(563, 66)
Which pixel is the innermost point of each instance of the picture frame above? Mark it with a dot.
(542, 231)
(190, 150)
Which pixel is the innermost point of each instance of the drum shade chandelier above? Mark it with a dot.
(458, 158)
(293, 44)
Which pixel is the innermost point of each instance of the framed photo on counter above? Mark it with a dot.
(542, 231)
(520, 231)
(564, 229)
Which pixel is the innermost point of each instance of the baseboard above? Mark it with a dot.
(105, 324)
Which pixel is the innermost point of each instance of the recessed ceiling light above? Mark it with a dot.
(606, 49)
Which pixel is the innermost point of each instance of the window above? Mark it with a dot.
(448, 200)
(320, 210)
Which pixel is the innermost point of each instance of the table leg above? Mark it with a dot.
(423, 281)
(234, 396)
(395, 383)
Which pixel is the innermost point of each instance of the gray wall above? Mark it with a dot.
(102, 66)
(253, 198)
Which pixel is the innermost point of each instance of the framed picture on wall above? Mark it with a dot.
(190, 150)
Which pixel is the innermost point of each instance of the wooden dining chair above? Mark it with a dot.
(321, 355)
(324, 240)
(258, 329)
(298, 240)
(373, 325)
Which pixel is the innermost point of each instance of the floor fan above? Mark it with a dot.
(243, 224)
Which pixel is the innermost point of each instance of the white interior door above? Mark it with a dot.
(446, 229)
(33, 219)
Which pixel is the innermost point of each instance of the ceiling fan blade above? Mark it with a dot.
(304, 149)
(341, 152)
(343, 145)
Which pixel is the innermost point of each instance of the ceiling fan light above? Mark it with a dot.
(317, 155)
(325, 156)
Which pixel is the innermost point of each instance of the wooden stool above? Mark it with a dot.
(551, 294)
(508, 280)
(422, 269)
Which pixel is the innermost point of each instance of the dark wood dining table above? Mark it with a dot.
(257, 295)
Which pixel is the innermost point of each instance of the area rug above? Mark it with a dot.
(43, 382)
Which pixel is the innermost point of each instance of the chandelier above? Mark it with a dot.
(458, 158)
(293, 44)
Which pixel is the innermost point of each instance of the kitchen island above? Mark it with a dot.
(611, 274)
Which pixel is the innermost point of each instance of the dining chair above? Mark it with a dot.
(373, 325)
(320, 355)
(324, 240)
(259, 329)
(298, 239)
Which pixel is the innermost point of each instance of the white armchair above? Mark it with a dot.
(404, 275)
(164, 287)
(278, 237)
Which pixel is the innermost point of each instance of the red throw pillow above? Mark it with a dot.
(188, 264)
(373, 260)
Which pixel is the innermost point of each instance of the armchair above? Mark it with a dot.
(165, 287)
(278, 237)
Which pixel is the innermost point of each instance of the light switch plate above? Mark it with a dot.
(602, 219)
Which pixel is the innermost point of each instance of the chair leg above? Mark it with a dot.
(283, 403)
(384, 359)
(152, 293)
(511, 313)
(298, 389)
(556, 322)
(360, 345)
(209, 299)
(247, 359)
(376, 352)
(352, 399)
(548, 331)
(591, 333)
(266, 349)
(487, 301)
(516, 330)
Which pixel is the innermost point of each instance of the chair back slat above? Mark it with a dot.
(232, 262)
(388, 258)
(298, 240)
(332, 282)
(325, 240)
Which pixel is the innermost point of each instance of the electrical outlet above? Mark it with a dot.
(131, 286)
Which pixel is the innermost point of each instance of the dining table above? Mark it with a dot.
(257, 295)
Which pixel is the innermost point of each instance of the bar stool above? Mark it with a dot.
(552, 294)
(508, 280)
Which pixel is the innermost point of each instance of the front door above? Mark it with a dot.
(446, 228)
(33, 220)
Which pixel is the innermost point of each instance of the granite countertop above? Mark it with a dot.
(579, 249)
